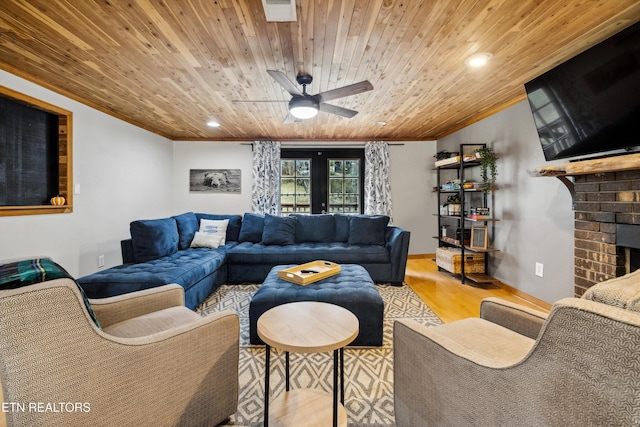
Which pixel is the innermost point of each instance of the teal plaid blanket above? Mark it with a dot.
(28, 272)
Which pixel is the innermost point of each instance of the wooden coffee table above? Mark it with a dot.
(307, 327)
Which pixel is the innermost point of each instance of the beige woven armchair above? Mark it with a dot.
(154, 363)
(578, 366)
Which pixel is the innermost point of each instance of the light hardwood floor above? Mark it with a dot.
(444, 293)
(450, 299)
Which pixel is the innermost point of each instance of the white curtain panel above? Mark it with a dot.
(377, 186)
(265, 190)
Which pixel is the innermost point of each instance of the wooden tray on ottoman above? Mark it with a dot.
(310, 272)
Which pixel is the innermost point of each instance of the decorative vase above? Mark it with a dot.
(58, 201)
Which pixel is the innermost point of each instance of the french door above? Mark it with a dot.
(321, 181)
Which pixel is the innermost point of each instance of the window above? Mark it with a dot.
(295, 185)
(35, 155)
(320, 181)
(345, 183)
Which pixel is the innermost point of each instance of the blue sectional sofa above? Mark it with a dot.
(160, 251)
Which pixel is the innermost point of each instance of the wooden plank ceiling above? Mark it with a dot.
(169, 66)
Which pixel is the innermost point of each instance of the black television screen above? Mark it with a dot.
(590, 103)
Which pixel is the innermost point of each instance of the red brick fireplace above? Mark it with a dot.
(605, 203)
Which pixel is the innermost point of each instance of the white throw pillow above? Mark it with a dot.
(205, 240)
(216, 227)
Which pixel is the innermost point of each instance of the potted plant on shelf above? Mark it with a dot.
(488, 167)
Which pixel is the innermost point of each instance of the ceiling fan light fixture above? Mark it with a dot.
(303, 108)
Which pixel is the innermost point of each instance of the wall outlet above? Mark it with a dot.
(539, 269)
(100, 261)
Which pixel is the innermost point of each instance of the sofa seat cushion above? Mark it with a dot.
(186, 268)
(151, 323)
(258, 253)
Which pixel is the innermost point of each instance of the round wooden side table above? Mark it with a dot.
(307, 327)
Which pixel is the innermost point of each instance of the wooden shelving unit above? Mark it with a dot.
(461, 220)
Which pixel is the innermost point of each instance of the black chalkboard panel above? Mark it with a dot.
(28, 154)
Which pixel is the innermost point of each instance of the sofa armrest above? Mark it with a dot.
(523, 320)
(460, 365)
(115, 309)
(398, 247)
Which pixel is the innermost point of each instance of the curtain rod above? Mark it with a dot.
(316, 144)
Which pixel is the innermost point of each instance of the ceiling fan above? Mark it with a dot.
(305, 106)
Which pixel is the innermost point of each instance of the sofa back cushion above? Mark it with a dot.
(368, 230)
(279, 230)
(154, 238)
(187, 227)
(341, 224)
(233, 229)
(252, 226)
(314, 228)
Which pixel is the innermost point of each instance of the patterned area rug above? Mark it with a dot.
(368, 370)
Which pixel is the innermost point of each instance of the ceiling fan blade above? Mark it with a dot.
(338, 111)
(257, 100)
(348, 90)
(290, 119)
(285, 82)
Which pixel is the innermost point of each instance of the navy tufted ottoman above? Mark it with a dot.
(352, 289)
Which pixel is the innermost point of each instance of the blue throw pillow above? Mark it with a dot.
(154, 238)
(279, 230)
(252, 226)
(368, 230)
(187, 227)
(314, 228)
(28, 272)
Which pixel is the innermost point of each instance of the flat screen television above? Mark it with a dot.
(590, 104)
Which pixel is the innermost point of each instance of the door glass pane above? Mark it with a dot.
(288, 167)
(344, 186)
(295, 186)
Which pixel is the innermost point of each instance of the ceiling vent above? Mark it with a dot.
(280, 10)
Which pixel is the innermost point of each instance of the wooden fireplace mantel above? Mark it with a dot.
(625, 162)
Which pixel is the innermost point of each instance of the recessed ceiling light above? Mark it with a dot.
(213, 124)
(478, 59)
(381, 123)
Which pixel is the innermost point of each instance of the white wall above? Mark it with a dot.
(124, 172)
(536, 219)
(414, 202)
(211, 155)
